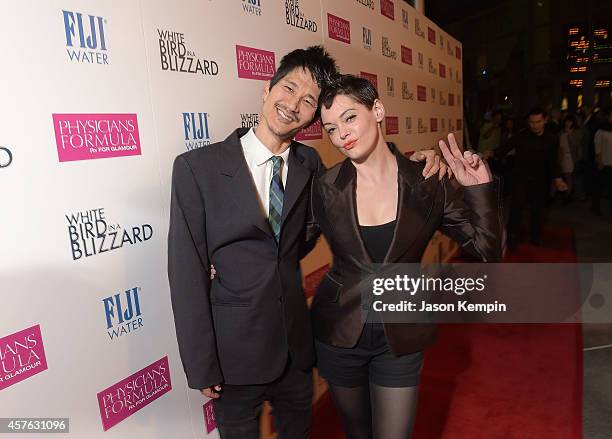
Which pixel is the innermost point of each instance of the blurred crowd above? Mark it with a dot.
(546, 157)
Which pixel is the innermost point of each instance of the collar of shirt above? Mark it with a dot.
(256, 153)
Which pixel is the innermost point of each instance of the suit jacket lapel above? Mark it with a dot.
(297, 177)
(341, 209)
(240, 185)
(413, 210)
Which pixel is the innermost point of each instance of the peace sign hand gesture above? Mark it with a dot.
(469, 169)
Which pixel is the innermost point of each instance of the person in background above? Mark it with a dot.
(490, 135)
(603, 159)
(570, 153)
(535, 165)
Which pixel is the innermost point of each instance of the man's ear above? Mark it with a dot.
(379, 110)
(266, 91)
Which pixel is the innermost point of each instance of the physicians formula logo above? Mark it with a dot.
(209, 416)
(442, 70)
(457, 52)
(255, 63)
(391, 125)
(451, 100)
(431, 35)
(95, 136)
(433, 124)
(85, 38)
(387, 8)
(22, 355)
(133, 393)
(406, 55)
(339, 28)
(370, 77)
(422, 93)
(313, 132)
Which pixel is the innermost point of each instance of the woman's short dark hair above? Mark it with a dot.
(353, 86)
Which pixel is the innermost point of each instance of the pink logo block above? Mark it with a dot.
(422, 93)
(391, 125)
(406, 55)
(442, 71)
(209, 416)
(129, 395)
(339, 28)
(451, 99)
(255, 63)
(433, 122)
(313, 132)
(370, 77)
(22, 355)
(387, 8)
(457, 52)
(95, 136)
(431, 35)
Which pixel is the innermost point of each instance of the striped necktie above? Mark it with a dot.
(275, 210)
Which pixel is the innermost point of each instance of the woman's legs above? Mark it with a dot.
(393, 411)
(353, 406)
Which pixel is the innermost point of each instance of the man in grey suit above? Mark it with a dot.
(242, 205)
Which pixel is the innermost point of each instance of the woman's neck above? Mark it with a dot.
(380, 165)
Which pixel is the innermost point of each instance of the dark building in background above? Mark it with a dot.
(518, 53)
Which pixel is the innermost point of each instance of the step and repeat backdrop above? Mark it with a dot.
(97, 98)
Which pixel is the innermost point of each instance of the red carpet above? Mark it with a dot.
(498, 381)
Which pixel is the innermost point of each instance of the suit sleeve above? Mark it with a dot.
(473, 218)
(188, 273)
(312, 226)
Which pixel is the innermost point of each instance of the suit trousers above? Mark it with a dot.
(238, 410)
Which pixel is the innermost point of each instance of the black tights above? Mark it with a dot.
(376, 412)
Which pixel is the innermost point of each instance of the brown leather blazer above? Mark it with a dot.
(469, 215)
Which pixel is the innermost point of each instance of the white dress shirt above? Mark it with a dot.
(603, 146)
(258, 156)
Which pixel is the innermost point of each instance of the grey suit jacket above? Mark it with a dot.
(240, 327)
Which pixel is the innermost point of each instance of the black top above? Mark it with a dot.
(377, 240)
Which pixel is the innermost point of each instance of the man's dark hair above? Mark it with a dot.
(536, 111)
(315, 59)
(353, 86)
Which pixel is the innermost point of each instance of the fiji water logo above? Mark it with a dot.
(85, 38)
(196, 132)
(22, 355)
(252, 7)
(367, 38)
(122, 312)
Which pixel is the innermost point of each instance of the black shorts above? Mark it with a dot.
(370, 361)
